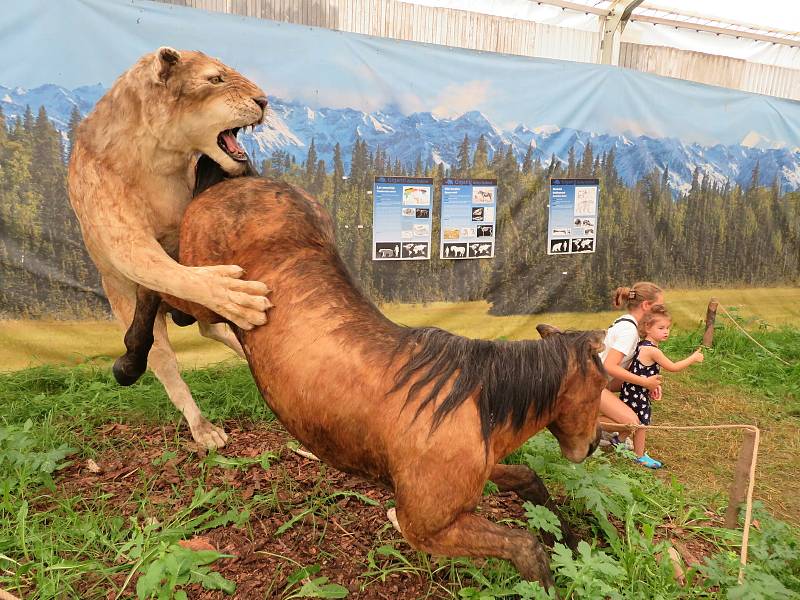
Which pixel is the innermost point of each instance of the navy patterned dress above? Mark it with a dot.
(636, 396)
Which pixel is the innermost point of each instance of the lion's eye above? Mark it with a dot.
(215, 79)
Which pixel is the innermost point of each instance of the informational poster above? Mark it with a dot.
(401, 218)
(469, 215)
(572, 226)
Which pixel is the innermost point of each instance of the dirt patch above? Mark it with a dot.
(337, 526)
(302, 513)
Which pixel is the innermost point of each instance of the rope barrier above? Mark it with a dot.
(752, 339)
(748, 514)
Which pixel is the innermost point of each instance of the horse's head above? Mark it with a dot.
(574, 419)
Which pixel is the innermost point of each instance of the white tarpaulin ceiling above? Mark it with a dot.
(774, 18)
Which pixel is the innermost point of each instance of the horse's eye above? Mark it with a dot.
(215, 79)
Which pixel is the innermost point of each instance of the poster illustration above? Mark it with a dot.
(572, 223)
(401, 218)
(469, 215)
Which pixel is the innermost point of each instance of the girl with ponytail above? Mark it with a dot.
(621, 341)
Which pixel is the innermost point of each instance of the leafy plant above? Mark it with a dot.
(240, 462)
(773, 569)
(22, 464)
(540, 517)
(593, 485)
(488, 590)
(303, 584)
(592, 574)
(172, 566)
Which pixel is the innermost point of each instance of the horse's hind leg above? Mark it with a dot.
(471, 535)
(138, 338)
(529, 486)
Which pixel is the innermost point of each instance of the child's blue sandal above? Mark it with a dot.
(650, 463)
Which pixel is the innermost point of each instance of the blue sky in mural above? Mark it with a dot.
(92, 41)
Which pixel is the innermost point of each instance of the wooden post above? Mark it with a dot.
(711, 316)
(738, 491)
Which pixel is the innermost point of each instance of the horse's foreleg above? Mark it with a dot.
(529, 486)
(471, 535)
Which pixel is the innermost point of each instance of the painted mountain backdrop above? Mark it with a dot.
(655, 225)
(407, 137)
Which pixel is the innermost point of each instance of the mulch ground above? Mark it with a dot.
(262, 561)
(339, 541)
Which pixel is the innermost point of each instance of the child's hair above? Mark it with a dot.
(659, 311)
(633, 296)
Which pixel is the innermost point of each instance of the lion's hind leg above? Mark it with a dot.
(164, 364)
(221, 332)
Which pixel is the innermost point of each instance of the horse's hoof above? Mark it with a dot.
(391, 514)
(127, 370)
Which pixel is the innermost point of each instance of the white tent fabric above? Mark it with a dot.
(755, 51)
(783, 15)
(520, 9)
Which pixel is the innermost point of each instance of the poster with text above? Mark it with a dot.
(401, 218)
(572, 226)
(469, 217)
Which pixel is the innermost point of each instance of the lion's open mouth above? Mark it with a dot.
(230, 146)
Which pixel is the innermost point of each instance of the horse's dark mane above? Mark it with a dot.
(208, 173)
(513, 377)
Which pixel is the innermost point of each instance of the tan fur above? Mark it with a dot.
(131, 176)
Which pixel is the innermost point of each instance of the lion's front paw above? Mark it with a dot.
(241, 302)
(208, 435)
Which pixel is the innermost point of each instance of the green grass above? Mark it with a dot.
(59, 541)
(31, 343)
(88, 396)
(736, 360)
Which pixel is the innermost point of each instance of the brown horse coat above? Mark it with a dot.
(424, 412)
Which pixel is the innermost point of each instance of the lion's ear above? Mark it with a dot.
(166, 59)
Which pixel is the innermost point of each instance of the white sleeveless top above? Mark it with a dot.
(622, 336)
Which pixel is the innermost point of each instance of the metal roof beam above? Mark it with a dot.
(795, 43)
(611, 28)
(792, 38)
(584, 8)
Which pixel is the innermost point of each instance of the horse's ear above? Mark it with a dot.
(545, 330)
(598, 341)
(166, 59)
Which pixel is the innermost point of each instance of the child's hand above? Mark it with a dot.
(652, 383)
(698, 356)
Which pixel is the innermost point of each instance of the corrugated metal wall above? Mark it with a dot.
(403, 21)
(715, 70)
(462, 29)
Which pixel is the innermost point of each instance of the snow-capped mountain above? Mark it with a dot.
(58, 101)
(292, 125)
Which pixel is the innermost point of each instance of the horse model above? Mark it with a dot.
(427, 413)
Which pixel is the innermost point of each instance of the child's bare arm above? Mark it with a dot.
(658, 356)
(613, 368)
